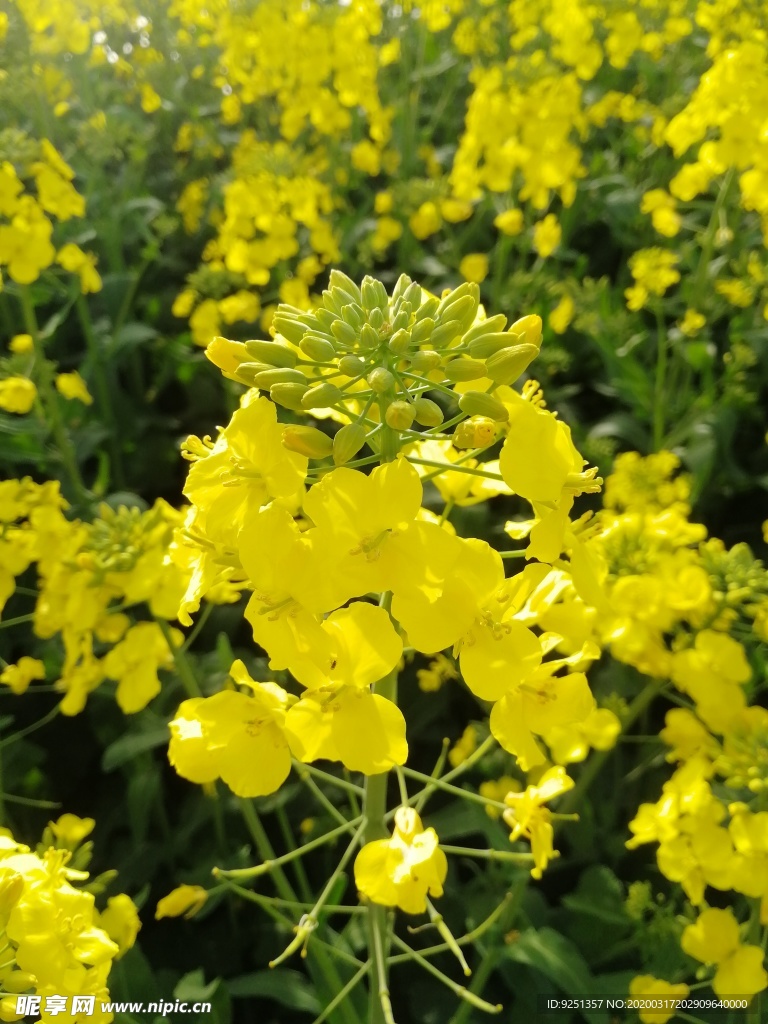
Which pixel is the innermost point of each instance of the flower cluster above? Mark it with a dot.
(55, 941)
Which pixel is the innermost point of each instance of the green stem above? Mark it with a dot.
(455, 467)
(659, 388)
(272, 864)
(374, 810)
(469, 997)
(50, 403)
(103, 396)
(183, 667)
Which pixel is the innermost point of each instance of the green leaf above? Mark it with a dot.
(599, 894)
(130, 746)
(288, 988)
(558, 959)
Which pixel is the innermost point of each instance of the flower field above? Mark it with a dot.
(383, 493)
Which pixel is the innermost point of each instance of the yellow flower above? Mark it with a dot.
(463, 747)
(661, 207)
(134, 663)
(72, 386)
(234, 736)
(528, 818)
(120, 920)
(647, 988)
(403, 870)
(17, 395)
(70, 830)
(510, 222)
(73, 259)
(546, 235)
(425, 221)
(338, 717)
(714, 939)
(20, 675)
(474, 267)
(562, 314)
(692, 323)
(184, 899)
(150, 100)
(21, 343)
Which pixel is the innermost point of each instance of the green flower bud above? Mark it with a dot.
(464, 309)
(369, 337)
(422, 330)
(427, 413)
(325, 319)
(402, 319)
(505, 366)
(445, 333)
(317, 348)
(381, 380)
(292, 330)
(272, 352)
(351, 366)
(466, 288)
(321, 396)
(281, 375)
(332, 301)
(347, 442)
(400, 341)
(373, 294)
(464, 369)
(479, 403)
(288, 395)
(423, 362)
(307, 441)
(428, 307)
(399, 415)
(528, 329)
(338, 279)
(353, 315)
(474, 433)
(344, 333)
(487, 344)
(492, 325)
(412, 294)
(376, 318)
(246, 372)
(402, 284)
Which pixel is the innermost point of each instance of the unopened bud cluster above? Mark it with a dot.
(375, 357)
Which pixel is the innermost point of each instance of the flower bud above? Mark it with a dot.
(422, 329)
(338, 279)
(321, 396)
(18, 981)
(506, 365)
(445, 333)
(373, 294)
(399, 415)
(353, 315)
(400, 341)
(479, 403)
(288, 395)
(381, 380)
(281, 375)
(307, 441)
(324, 317)
(427, 413)
(423, 362)
(344, 333)
(351, 366)
(487, 344)
(402, 285)
(412, 294)
(528, 329)
(347, 442)
(272, 352)
(428, 307)
(492, 325)
(464, 309)
(317, 348)
(226, 354)
(291, 329)
(376, 319)
(402, 319)
(332, 301)
(246, 372)
(369, 337)
(464, 369)
(474, 433)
